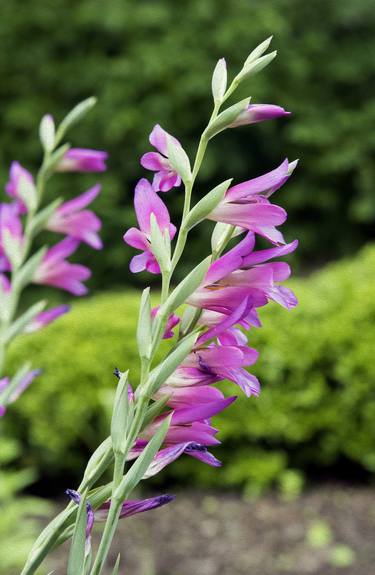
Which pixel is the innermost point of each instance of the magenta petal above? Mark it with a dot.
(265, 255)
(200, 412)
(266, 184)
(137, 239)
(138, 263)
(154, 161)
(147, 202)
(80, 202)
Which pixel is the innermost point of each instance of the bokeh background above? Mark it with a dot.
(303, 454)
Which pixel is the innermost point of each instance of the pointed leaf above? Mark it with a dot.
(122, 414)
(226, 118)
(116, 569)
(76, 561)
(256, 66)
(161, 373)
(142, 463)
(188, 285)
(74, 116)
(23, 321)
(219, 80)
(160, 245)
(26, 273)
(144, 327)
(206, 204)
(258, 51)
(179, 159)
(40, 219)
(47, 132)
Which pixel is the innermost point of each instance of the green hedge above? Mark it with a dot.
(151, 61)
(316, 409)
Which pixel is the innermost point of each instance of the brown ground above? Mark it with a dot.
(327, 531)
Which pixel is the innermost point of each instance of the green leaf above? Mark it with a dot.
(23, 321)
(258, 51)
(189, 317)
(179, 159)
(220, 236)
(206, 204)
(55, 158)
(142, 463)
(160, 245)
(226, 118)
(116, 569)
(219, 80)
(188, 285)
(255, 66)
(47, 133)
(12, 248)
(144, 327)
(76, 562)
(26, 273)
(40, 219)
(122, 414)
(161, 373)
(74, 116)
(154, 410)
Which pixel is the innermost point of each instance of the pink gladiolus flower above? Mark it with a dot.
(20, 388)
(246, 205)
(70, 218)
(83, 160)
(46, 317)
(147, 202)
(16, 174)
(258, 113)
(54, 270)
(10, 223)
(173, 320)
(165, 178)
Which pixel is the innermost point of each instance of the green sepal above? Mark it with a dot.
(144, 327)
(179, 160)
(19, 325)
(207, 204)
(226, 118)
(76, 562)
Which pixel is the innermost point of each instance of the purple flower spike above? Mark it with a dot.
(83, 160)
(147, 202)
(255, 113)
(70, 218)
(165, 178)
(16, 174)
(56, 271)
(46, 317)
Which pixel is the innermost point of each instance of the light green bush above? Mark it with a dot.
(316, 365)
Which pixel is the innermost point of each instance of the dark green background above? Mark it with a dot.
(151, 62)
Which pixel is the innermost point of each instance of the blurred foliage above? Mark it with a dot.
(152, 61)
(316, 409)
(18, 514)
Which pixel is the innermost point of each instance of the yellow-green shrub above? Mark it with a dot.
(316, 365)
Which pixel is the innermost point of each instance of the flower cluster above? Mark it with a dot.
(19, 217)
(170, 411)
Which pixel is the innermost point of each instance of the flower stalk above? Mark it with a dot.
(169, 413)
